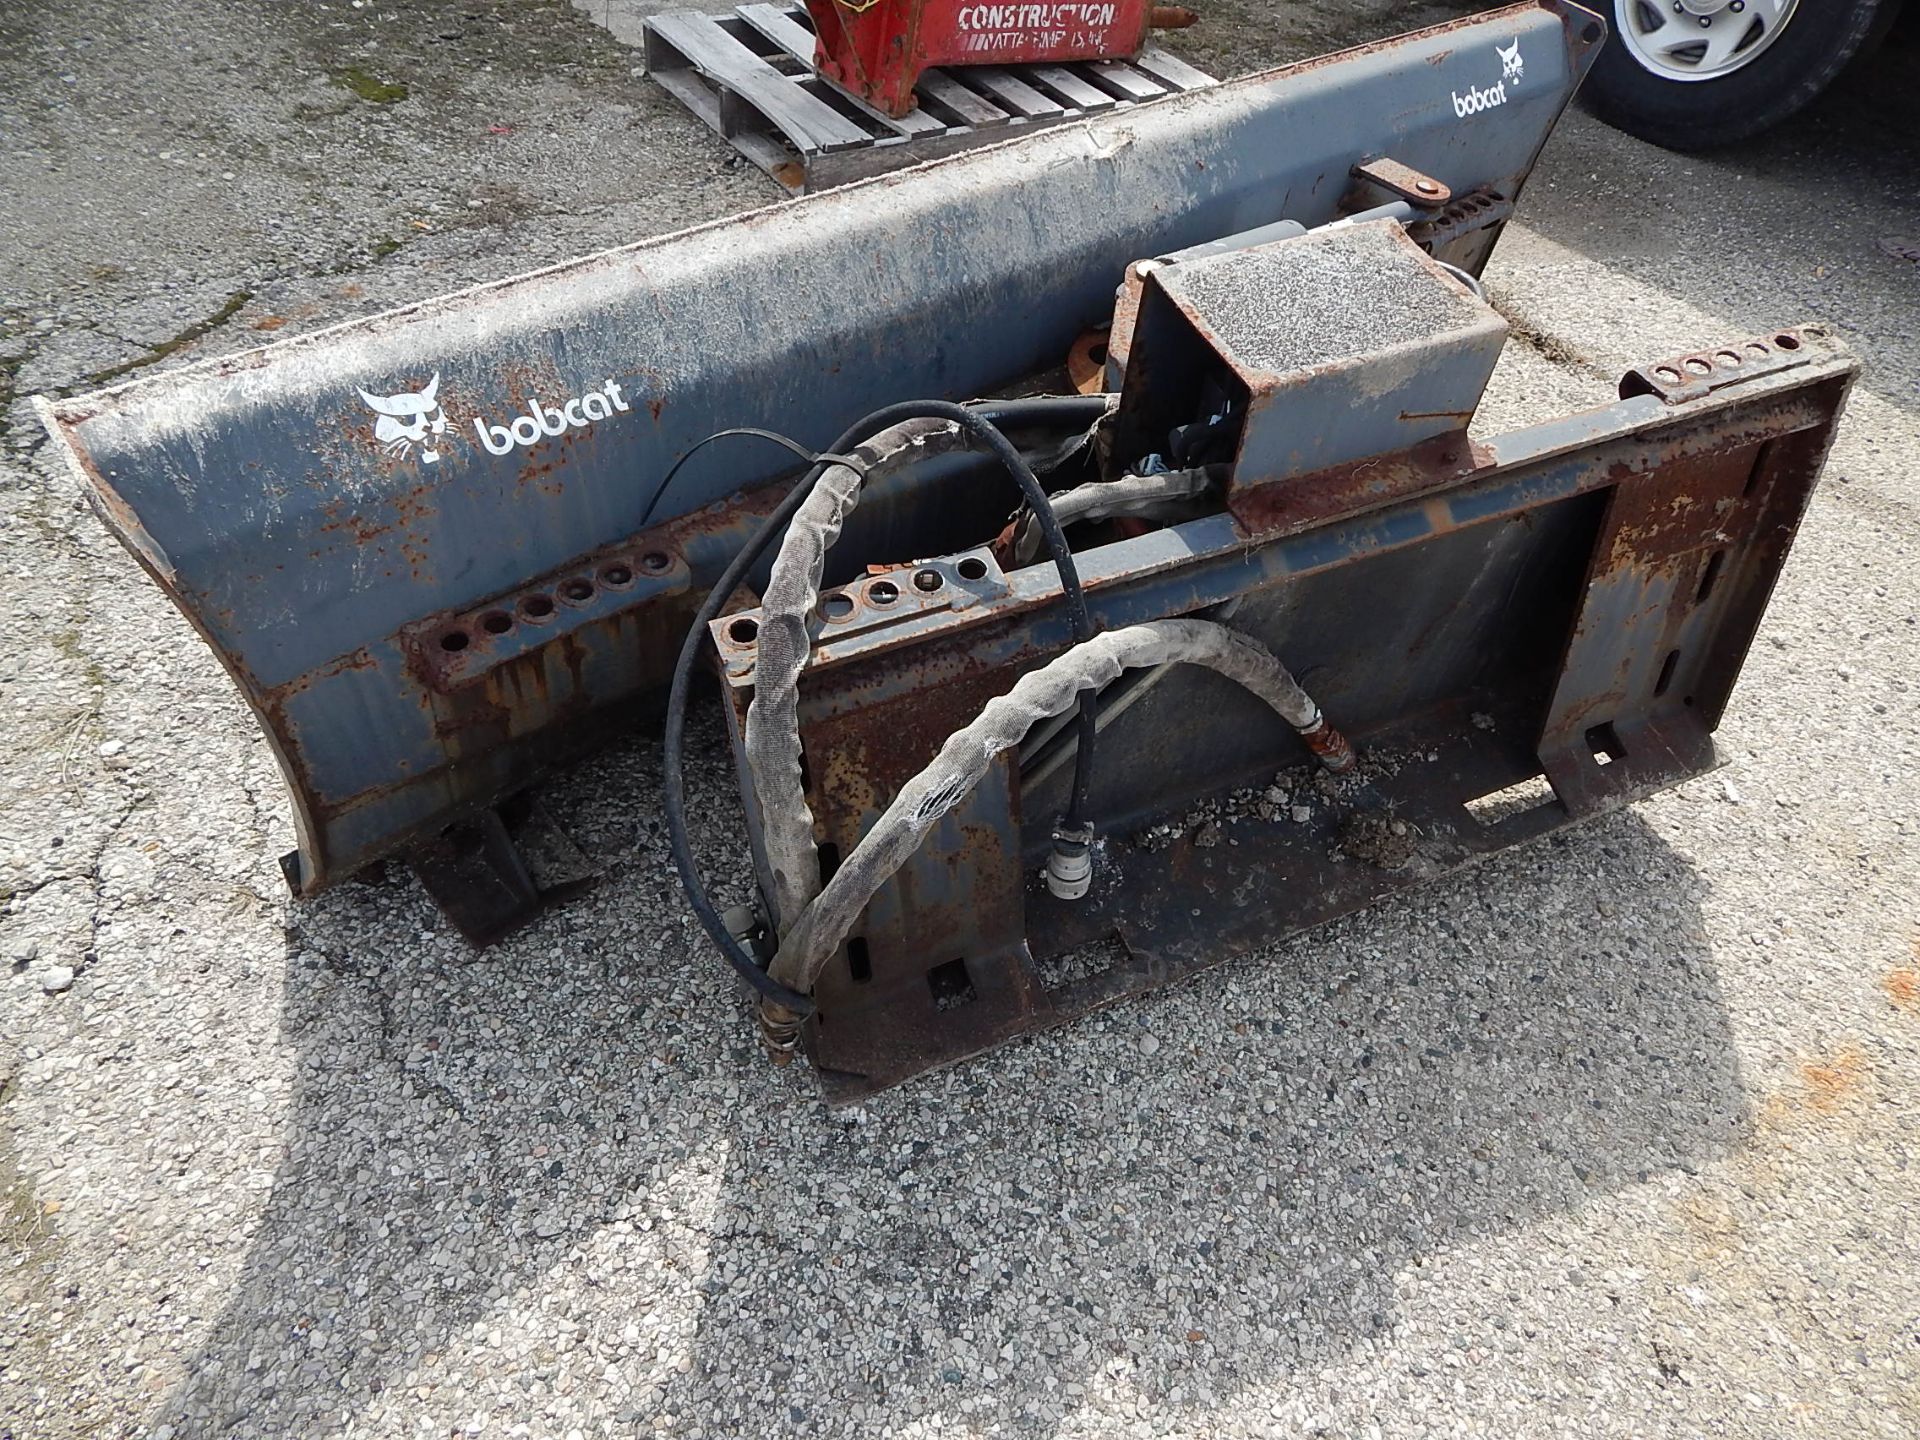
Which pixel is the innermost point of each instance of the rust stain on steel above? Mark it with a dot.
(1087, 361)
(965, 889)
(1475, 211)
(963, 904)
(1332, 748)
(1659, 520)
(1578, 39)
(1284, 506)
(1403, 180)
(546, 688)
(595, 590)
(1688, 377)
(945, 699)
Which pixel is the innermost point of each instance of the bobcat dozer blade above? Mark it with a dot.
(445, 549)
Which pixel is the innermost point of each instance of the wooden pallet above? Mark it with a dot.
(750, 76)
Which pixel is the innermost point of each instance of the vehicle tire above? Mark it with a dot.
(1667, 77)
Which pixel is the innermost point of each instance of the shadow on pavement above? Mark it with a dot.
(582, 1111)
(577, 1125)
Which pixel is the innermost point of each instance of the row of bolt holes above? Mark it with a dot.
(881, 593)
(538, 608)
(1729, 359)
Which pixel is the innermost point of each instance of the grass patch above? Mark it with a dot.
(26, 1228)
(67, 642)
(9, 370)
(370, 87)
(1547, 346)
(186, 337)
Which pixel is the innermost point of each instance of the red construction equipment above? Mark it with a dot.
(878, 49)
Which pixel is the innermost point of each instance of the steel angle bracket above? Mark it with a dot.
(416, 541)
(1548, 634)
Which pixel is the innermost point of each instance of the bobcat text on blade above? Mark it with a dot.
(542, 419)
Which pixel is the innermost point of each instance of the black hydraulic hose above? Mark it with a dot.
(1080, 409)
(674, 469)
(1079, 622)
(981, 421)
(1035, 410)
(1061, 410)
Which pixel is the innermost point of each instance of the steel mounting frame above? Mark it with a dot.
(1568, 612)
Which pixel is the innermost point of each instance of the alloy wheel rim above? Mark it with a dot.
(1700, 39)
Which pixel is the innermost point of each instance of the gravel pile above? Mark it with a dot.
(1292, 795)
(1608, 1137)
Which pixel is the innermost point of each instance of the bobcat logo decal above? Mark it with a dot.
(410, 419)
(1511, 66)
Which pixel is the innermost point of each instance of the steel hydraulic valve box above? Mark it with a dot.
(1297, 340)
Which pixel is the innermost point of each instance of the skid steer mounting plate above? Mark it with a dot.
(1516, 635)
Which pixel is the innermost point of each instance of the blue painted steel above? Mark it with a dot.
(306, 503)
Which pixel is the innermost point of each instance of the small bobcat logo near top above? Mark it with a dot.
(410, 419)
(1511, 67)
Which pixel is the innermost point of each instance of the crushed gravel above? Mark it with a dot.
(1608, 1137)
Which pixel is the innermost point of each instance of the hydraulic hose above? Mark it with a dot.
(982, 420)
(771, 740)
(969, 752)
(1157, 494)
(772, 736)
